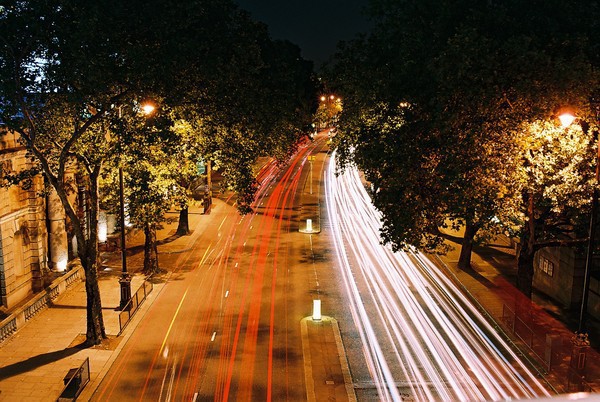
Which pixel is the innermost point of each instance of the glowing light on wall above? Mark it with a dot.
(102, 227)
(61, 263)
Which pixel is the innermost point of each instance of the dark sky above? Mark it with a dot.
(315, 26)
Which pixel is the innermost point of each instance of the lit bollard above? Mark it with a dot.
(309, 225)
(316, 315)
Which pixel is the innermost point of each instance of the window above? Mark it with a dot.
(546, 266)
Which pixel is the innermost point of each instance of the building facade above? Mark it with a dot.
(32, 229)
(559, 273)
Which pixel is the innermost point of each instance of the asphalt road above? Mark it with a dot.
(227, 324)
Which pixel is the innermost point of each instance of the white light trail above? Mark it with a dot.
(416, 326)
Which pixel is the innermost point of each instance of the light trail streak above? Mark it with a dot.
(416, 326)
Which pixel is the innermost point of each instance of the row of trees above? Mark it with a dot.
(76, 75)
(450, 109)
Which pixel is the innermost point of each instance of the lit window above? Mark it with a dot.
(546, 266)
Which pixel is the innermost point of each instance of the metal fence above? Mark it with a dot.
(545, 347)
(132, 306)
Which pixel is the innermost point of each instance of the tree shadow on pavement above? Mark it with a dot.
(503, 261)
(140, 247)
(37, 361)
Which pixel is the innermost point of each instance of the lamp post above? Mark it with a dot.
(125, 279)
(590, 246)
(566, 119)
(581, 341)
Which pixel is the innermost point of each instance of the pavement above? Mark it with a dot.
(34, 361)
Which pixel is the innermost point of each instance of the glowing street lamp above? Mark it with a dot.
(125, 279)
(148, 108)
(566, 120)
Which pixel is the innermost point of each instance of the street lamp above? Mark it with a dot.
(566, 119)
(125, 279)
(581, 342)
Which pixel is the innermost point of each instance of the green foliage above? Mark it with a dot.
(440, 101)
(73, 75)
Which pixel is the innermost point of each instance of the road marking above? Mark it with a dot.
(222, 222)
(227, 293)
(173, 321)
(204, 256)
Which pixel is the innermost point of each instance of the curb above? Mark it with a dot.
(308, 358)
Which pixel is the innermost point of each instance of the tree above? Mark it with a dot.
(58, 111)
(557, 179)
(145, 152)
(68, 67)
(435, 100)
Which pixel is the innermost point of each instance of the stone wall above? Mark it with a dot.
(565, 281)
(23, 239)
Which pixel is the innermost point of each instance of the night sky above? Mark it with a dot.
(315, 26)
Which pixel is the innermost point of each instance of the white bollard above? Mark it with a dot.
(309, 225)
(316, 316)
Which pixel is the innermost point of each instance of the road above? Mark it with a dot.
(422, 339)
(226, 325)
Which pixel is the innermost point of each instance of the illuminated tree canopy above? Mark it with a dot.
(442, 103)
(73, 75)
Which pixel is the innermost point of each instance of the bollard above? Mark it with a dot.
(316, 316)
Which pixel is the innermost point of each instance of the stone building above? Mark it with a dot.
(559, 273)
(28, 254)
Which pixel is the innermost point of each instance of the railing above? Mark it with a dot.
(39, 302)
(38, 305)
(133, 304)
(517, 325)
(577, 383)
(546, 348)
(9, 327)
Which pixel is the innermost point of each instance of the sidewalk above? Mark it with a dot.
(490, 282)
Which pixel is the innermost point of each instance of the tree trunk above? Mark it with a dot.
(527, 253)
(95, 323)
(150, 250)
(183, 227)
(525, 270)
(87, 251)
(464, 261)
